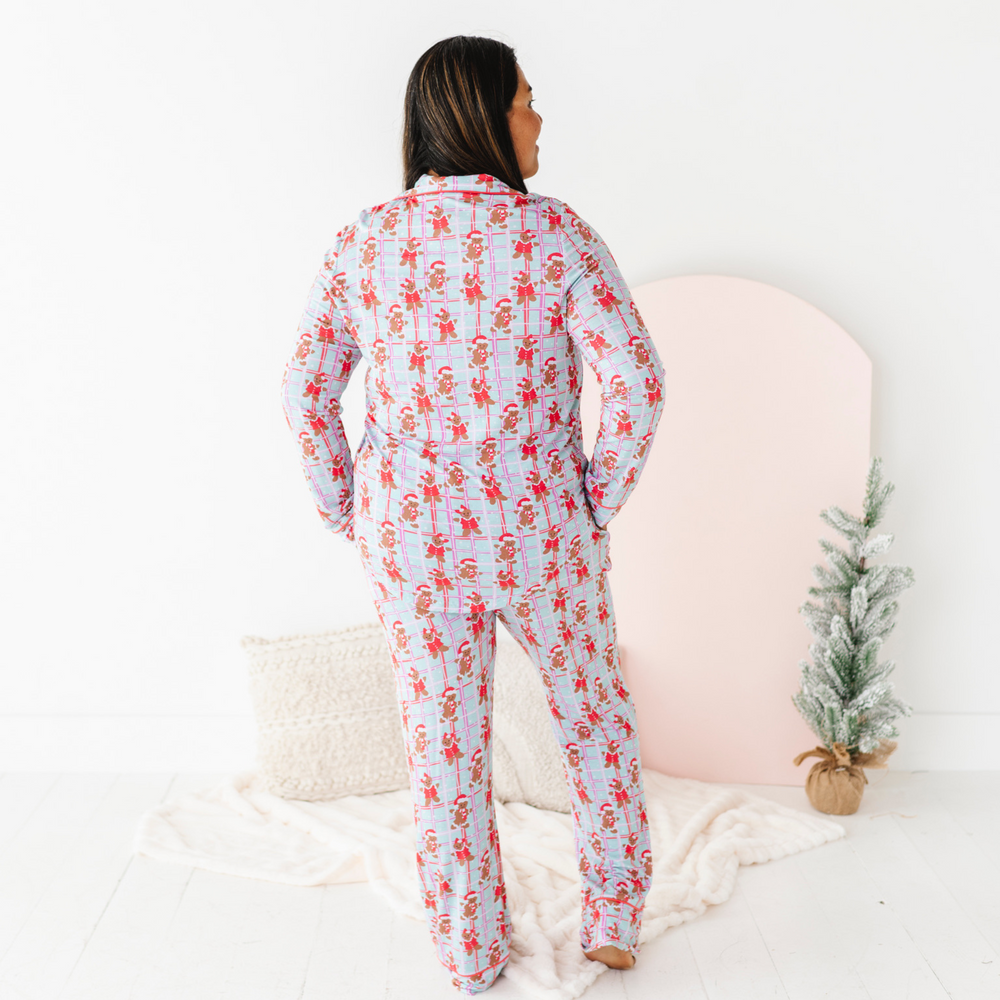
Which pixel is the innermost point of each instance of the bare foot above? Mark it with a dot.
(612, 957)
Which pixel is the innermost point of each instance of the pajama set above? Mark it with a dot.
(469, 499)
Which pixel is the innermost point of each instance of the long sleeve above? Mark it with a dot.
(314, 379)
(605, 324)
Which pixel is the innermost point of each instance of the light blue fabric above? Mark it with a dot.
(474, 306)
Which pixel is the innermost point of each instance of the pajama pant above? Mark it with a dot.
(443, 667)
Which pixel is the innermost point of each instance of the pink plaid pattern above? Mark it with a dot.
(470, 497)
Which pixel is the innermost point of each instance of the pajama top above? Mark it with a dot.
(473, 306)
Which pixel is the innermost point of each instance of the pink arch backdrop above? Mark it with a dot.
(767, 421)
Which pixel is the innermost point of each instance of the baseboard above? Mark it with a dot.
(948, 741)
(928, 741)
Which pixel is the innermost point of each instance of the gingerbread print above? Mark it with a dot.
(470, 498)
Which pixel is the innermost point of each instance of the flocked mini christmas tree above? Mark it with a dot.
(846, 697)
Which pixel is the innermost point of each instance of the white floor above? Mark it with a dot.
(907, 906)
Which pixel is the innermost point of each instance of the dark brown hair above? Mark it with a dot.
(455, 111)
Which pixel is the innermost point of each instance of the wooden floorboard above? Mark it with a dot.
(812, 955)
(351, 953)
(969, 872)
(78, 887)
(906, 907)
(732, 957)
(668, 969)
(127, 957)
(20, 795)
(35, 856)
(955, 949)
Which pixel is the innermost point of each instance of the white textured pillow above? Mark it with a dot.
(527, 761)
(328, 722)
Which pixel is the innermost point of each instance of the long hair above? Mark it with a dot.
(455, 113)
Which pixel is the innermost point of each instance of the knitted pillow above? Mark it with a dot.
(328, 720)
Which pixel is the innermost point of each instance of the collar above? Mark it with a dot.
(479, 183)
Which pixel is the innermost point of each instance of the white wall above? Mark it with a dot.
(173, 174)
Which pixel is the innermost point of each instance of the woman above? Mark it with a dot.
(472, 301)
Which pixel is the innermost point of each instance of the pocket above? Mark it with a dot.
(602, 543)
(590, 512)
(596, 526)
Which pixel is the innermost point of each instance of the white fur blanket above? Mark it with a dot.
(701, 834)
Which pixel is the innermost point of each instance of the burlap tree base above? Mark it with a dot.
(836, 781)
